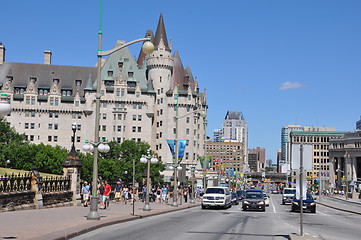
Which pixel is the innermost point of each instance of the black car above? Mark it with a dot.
(309, 204)
(241, 194)
(253, 201)
(234, 198)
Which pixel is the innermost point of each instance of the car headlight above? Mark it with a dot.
(295, 203)
(246, 202)
(261, 203)
(312, 203)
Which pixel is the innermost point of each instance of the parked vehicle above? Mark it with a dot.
(309, 204)
(254, 201)
(216, 197)
(287, 195)
(234, 198)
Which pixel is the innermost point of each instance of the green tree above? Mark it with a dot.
(118, 163)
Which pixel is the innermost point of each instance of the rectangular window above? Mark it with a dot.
(50, 126)
(55, 138)
(118, 92)
(33, 114)
(27, 100)
(32, 100)
(51, 101)
(104, 128)
(123, 92)
(77, 103)
(134, 117)
(56, 126)
(104, 116)
(27, 114)
(139, 129)
(26, 125)
(31, 137)
(134, 129)
(32, 125)
(49, 138)
(139, 117)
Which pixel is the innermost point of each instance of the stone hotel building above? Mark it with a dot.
(138, 99)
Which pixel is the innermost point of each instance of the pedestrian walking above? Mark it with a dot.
(125, 195)
(85, 191)
(106, 196)
(164, 194)
(117, 191)
(185, 194)
(101, 194)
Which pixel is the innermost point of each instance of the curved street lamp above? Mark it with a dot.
(147, 48)
(148, 159)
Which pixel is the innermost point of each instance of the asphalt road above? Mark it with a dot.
(234, 224)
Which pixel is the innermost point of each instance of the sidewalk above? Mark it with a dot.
(66, 222)
(341, 203)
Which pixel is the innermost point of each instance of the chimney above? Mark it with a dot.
(47, 57)
(2, 53)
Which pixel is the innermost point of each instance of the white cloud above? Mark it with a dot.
(290, 85)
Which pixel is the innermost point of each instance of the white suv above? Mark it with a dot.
(216, 197)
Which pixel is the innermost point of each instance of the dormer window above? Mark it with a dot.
(78, 82)
(120, 64)
(110, 73)
(33, 79)
(9, 78)
(130, 74)
(56, 81)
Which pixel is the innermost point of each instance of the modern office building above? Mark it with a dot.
(256, 159)
(234, 129)
(285, 160)
(358, 125)
(139, 98)
(225, 155)
(319, 138)
(217, 135)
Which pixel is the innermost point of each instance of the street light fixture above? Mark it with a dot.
(148, 159)
(147, 48)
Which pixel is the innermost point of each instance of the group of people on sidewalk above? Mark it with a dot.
(123, 194)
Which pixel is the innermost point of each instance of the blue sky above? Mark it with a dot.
(279, 62)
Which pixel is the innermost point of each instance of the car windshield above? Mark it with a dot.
(215, 190)
(290, 191)
(253, 196)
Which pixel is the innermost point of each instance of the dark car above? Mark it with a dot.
(253, 201)
(241, 194)
(234, 198)
(309, 204)
(254, 190)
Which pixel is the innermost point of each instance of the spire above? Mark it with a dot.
(161, 35)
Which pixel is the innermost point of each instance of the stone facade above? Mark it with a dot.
(138, 98)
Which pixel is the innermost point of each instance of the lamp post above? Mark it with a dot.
(192, 170)
(147, 48)
(95, 147)
(148, 159)
(74, 128)
(175, 168)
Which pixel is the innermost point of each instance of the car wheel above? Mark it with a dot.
(283, 203)
(203, 207)
(263, 209)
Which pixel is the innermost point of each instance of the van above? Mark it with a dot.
(217, 197)
(288, 195)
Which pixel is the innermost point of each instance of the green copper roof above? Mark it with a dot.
(317, 133)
